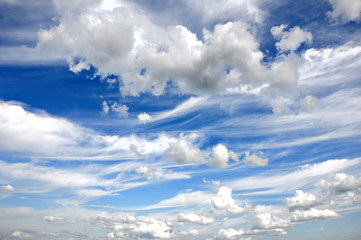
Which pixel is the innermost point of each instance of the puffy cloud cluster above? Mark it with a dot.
(268, 221)
(290, 40)
(301, 200)
(7, 189)
(345, 10)
(230, 233)
(184, 152)
(120, 109)
(128, 226)
(312, 214)
(346, 186)
(120, 40)
(144, 117)
(255, 159)
(224, 200)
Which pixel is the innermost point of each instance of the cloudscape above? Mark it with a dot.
(182, 119)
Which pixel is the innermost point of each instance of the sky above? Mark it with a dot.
(214, 119)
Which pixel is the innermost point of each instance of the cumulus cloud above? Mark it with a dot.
(20, 234)
(142, 227)
(346, 186)
(301, 200)
(7, 189)
(122, 41)
(120, 109)
(345, 10)
(255, 159)
(221, 155)
(312, 214)
(292, 39)
(224, 200)
(144, 117)
(230, 233)
(193, 218)
(269, 221)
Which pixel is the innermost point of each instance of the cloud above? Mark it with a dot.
(309, 103)
(221, 155)
(120, 109)
(184, 200)
(230, 233)
(268, 221)
(290, 40)
(142, 227)
(144, 117)
(345, 10)
(346, 186)
(292, 179)
(255, 159)
(122, 41)
(19, 234)
(301, 200)
(224, 200)
(193, 218)
(7, 189)
(312, 214)
(183, 151)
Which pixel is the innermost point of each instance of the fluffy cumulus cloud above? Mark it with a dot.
(129, 226)
(255, 159)
(230, 233)
(268, 221)
(120, 109)
(7, 189)
(301, 200)
(312, 214)
(224, 200)
(184, 151)
(346, 186)
(144, 117)
(292, 39)
(122, 41)
(345, 10)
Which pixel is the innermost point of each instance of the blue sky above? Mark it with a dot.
(180, 119)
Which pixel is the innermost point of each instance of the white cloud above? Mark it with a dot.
(184, 200)
(230, 233)
(192, 233)
(216, 10)
(19, 234)
(78, 67)
(7, 189)
(346, 186)
(184, 152)
(255, 159)
(138, 227)
(224, 200)
(105, 107)
(309, 103)
(290, 40)
(221, 155)
(120, 109)
(301, 200)
(124, 42)
(312, 214)
(144, 117)
(193, 218)
(267, 220)
(290, 180)
(279, 107)
(345, 10)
